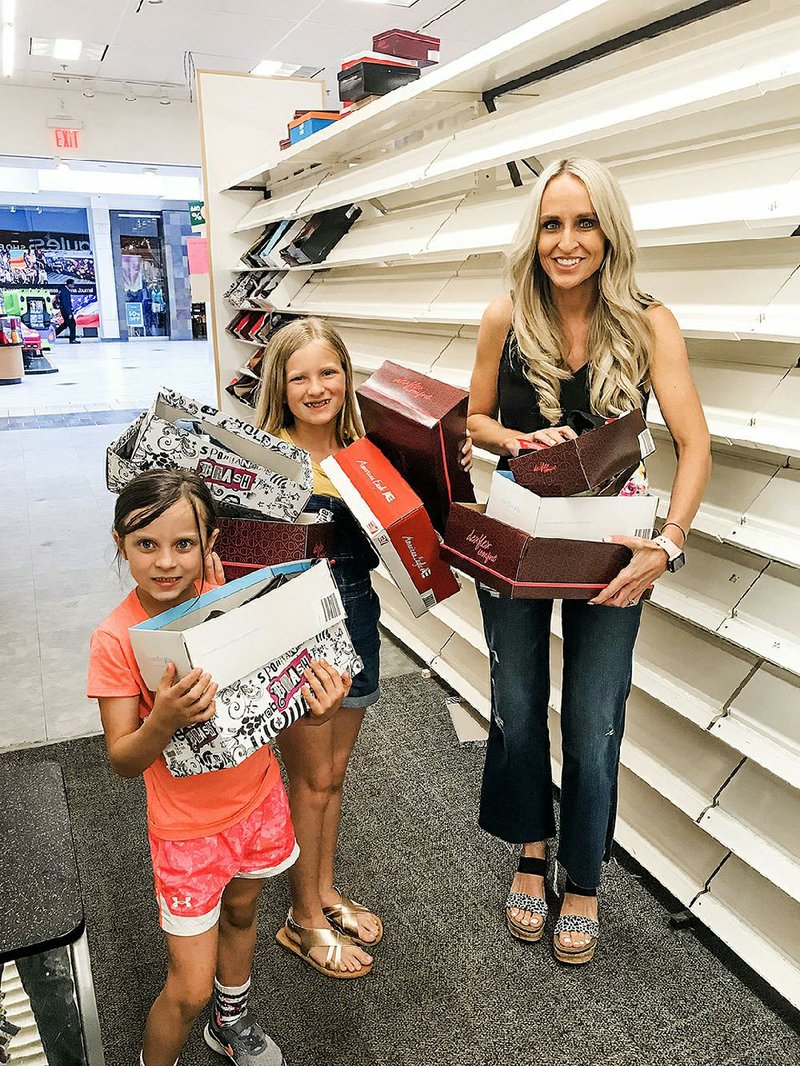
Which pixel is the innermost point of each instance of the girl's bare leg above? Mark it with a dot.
(190, 979)
(346, 725)
(307, 752)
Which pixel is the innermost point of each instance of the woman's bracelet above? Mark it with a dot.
(685, 537)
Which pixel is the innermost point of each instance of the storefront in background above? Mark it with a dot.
(41, 248)
(151, 272)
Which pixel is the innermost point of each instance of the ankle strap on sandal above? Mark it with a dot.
(530, 865)
(574, 890)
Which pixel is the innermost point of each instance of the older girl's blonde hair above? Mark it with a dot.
(272, 413)
(619, 339)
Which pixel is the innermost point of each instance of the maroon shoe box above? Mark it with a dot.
(246, 544)
(588, 463)
(420, 425)
(518, 566)
(420, 47)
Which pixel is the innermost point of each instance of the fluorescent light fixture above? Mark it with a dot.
(9, 10)
(275, 69)
(67, 48)
(9, 45)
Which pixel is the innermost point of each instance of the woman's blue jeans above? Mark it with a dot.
(517, 794)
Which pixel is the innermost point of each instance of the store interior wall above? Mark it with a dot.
(113, 128)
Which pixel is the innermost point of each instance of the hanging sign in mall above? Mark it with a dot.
(66, 138)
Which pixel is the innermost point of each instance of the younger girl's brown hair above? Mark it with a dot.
(273, 412)
(149, 495)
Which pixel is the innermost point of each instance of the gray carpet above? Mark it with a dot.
(449, 985)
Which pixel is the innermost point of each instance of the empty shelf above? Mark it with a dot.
(765, 620)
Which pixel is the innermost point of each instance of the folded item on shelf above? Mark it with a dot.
(243, 466)
(420, 425)
(245, 544)
(266, 628)
(394, 519)
(320, 235)
(598, 462)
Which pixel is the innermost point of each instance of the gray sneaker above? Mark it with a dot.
(243, 1043)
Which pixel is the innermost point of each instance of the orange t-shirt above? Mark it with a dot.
(178, 808)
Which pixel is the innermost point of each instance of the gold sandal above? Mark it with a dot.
(308, 939)
(344, 918)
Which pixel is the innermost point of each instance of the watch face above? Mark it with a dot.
(676, 563)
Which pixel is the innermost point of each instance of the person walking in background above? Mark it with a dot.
(64, 303)
(575, 334)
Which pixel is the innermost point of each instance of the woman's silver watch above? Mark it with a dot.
(675, 556)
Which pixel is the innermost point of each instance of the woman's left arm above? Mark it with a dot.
(677, 397)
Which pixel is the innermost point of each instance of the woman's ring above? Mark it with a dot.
(631, 603)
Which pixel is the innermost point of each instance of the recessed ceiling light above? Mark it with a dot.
(67, 48)
(275, 69)
(9, 10)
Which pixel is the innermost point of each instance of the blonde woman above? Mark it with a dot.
(574, 334)
(307, 397)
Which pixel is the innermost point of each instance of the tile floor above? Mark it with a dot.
(59, 577)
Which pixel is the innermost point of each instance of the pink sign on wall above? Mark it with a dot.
(197, 251)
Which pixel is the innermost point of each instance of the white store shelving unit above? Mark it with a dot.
(700, 124)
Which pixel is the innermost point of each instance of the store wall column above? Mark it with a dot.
(177, 227)
(100, 229)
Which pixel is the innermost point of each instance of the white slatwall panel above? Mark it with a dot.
(700, 126)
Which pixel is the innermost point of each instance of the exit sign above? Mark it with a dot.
(67, 138)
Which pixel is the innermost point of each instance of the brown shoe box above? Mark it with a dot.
(246, 544)
(420, 425)
(587, 463)
(522, 567)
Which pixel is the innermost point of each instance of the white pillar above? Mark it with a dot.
(100, 229)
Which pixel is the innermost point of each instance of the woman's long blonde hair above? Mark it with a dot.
(273, 412)
(620, 336)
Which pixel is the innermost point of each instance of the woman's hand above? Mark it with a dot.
(213, 573)
(514, 443)
(184, 702)
(324, 691)
(466, 453)
(647, 565)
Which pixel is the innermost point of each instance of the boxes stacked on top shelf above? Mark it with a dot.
(256, 636)
(525, 546)
(424, 50)
(246, 544)
(320, 235)
(420, 424)
(308, 122)
(394, 519)
(373, 79)
(243, 466)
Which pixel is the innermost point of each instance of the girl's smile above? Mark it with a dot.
(315, 384)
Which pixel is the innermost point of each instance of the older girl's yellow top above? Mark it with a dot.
(323, 486)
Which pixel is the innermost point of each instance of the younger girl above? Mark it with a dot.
(214, 837)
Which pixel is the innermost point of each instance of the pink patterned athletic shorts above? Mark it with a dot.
(191, 875)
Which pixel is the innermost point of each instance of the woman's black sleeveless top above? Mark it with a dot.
(518, 400)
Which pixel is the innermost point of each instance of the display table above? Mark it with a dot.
(11, 365)
(42, 921)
